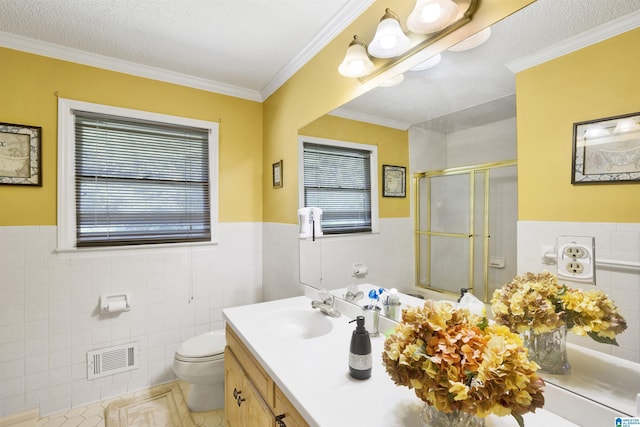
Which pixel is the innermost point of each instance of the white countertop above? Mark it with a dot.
(314, 375)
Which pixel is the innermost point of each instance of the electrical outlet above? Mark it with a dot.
(575, 251)
(576, 259)
(575, 268)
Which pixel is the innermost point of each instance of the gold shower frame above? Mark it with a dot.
(471, 235)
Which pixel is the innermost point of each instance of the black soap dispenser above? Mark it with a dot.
(360, 351)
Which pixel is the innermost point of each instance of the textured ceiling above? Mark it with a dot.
(243, 43)
(256, 44)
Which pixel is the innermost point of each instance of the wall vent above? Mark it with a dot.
(112, 360)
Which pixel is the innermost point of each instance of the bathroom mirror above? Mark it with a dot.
(466, 90)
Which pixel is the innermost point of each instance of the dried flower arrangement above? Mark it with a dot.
(454, 361)
(537, 302)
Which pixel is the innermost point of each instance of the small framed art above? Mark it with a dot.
(20, 154)
(277, 174)
(394, 181)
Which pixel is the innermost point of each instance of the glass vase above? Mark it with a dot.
(549, 350)
(431, 417)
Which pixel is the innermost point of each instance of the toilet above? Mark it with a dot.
(200, 361)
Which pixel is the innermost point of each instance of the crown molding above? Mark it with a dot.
(577, 42)
(55, 51)
(339, 22)
(369, 118)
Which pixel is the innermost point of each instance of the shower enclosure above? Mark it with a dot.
(465, 228)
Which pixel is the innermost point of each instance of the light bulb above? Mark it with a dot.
(356, 67)
(430, 16)
(431, 12)
(356, 62)
(388, 41)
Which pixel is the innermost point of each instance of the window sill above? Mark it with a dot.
(137, 249)
(360, 235)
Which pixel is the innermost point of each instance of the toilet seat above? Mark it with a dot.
(202, 348)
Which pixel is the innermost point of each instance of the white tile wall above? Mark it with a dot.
(49, 315)
(388, 255)
(614, 241)
(280, 261)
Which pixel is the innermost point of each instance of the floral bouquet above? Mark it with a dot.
(536, 302)
(455, 361)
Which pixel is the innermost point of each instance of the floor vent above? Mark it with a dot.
(112, 360)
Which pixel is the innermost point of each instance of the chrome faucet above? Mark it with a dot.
(326, 304)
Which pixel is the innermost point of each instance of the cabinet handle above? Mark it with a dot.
(279, 421)
(240, 400)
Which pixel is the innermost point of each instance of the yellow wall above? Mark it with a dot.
(595, 82)
(30, 83)
(252, 135)
(317, 88)
(393, 149)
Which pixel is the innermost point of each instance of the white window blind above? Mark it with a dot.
(338, 180)
(140, 182)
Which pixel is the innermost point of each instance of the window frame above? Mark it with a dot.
(373, 159)
(66, 212)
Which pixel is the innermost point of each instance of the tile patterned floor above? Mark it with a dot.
(93, 415)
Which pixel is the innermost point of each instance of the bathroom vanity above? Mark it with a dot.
(284, 358)
(251, 396)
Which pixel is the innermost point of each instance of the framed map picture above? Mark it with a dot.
(606, 150)
(20, 156)
(394, 181)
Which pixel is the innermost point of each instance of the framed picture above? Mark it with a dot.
(277, 174)
(394, 181)
(606, 150)
(20, 154)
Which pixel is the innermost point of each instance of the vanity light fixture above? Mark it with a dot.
(356, 61)
(430, 16)
(429, 63)
(391, 47)
(389, 40)
(472, 41)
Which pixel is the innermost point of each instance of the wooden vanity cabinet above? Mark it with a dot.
(251, 396)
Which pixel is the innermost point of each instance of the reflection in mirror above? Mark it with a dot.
(466, 228)
(461, 113)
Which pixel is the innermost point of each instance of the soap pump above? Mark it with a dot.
(360, 351)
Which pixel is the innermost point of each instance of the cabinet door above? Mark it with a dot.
(258, 414)
(233, 384)
(288, 413)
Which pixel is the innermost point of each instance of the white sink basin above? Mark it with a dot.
(296, 323)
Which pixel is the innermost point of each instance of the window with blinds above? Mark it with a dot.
(140, 182)
(338, 180)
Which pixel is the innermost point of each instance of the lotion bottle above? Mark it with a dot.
(360, 351)
(393, 306)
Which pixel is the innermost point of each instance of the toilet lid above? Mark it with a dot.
(204, 345)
